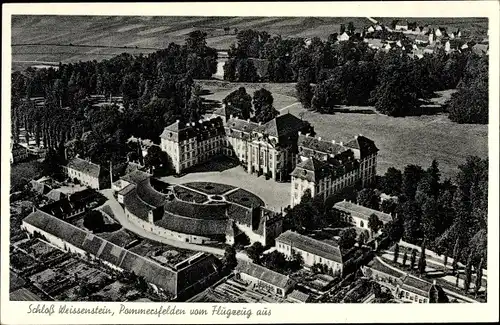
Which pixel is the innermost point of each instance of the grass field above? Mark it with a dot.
(147, 33)
(402, 141)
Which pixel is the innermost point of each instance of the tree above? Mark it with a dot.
(479, 277)
(422, 259)
(263, 106)
(347, 238)
(304, 93)
(395, 95)
(411, 177)
(362, 238)
(52, 162)
(229, 261)
(275, 261)
(468, 275)
(239, 102)
(405, 257)
(396, 253)
(392, 181)
(368, 197)
(255, 251)
(413, 259)
(470, 103)
(93, 220)
(374, 223)
(388, 206)
(411, 214)
(155, 157)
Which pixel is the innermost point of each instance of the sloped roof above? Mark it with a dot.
(201, 129)
(316, 144)
(311, 245)
(311, 169)
(55, 195)
(299, 296)
(238, 124)
(136, 206)
(85, 167)
(363, 144)
(104, 250)
(362, 211)
(264, 274)
(149, 195)
(416, 285)
(281, 125)
(192, 225)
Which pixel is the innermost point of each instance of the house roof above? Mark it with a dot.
(281, 125)
(85, 167)
(239, 128)
(201, 129)
(149, 195)
(136, 177)
(363, 144)
(55, 195)
(192, 225)
(310, 245)
(299, 296)
(136, 206)
(316, 144)
(311, 170)
(416, 285)
(362, 212)
(264, 274)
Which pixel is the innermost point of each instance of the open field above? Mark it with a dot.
(46, 34)
(402, 141)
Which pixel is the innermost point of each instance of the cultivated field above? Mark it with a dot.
(104, 37)
(402, 141)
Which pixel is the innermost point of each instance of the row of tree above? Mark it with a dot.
(450, 217)
(157, 89)
(351, 73)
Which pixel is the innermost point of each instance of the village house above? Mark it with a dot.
(401, 25)
(264, 278)
(343, 37)
(359, 215)
(403, 286)
(313, 251)
(87, 173)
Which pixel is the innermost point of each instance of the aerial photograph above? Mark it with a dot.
(249, 159)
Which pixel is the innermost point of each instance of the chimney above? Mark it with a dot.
(307, 134)
(319, 138)
(300, 133)
(248, 120)
(177, 121)
(341, 143)
(260, 123)
(434, 282)
(200, 121)
(333, 141)
(230, 116)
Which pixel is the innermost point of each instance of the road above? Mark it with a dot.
(282, 109)
(120, 216)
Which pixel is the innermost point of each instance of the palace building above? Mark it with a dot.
(282, 149)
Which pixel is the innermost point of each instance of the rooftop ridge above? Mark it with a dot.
(104, 240)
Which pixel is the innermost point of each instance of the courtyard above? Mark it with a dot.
(275, 195)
